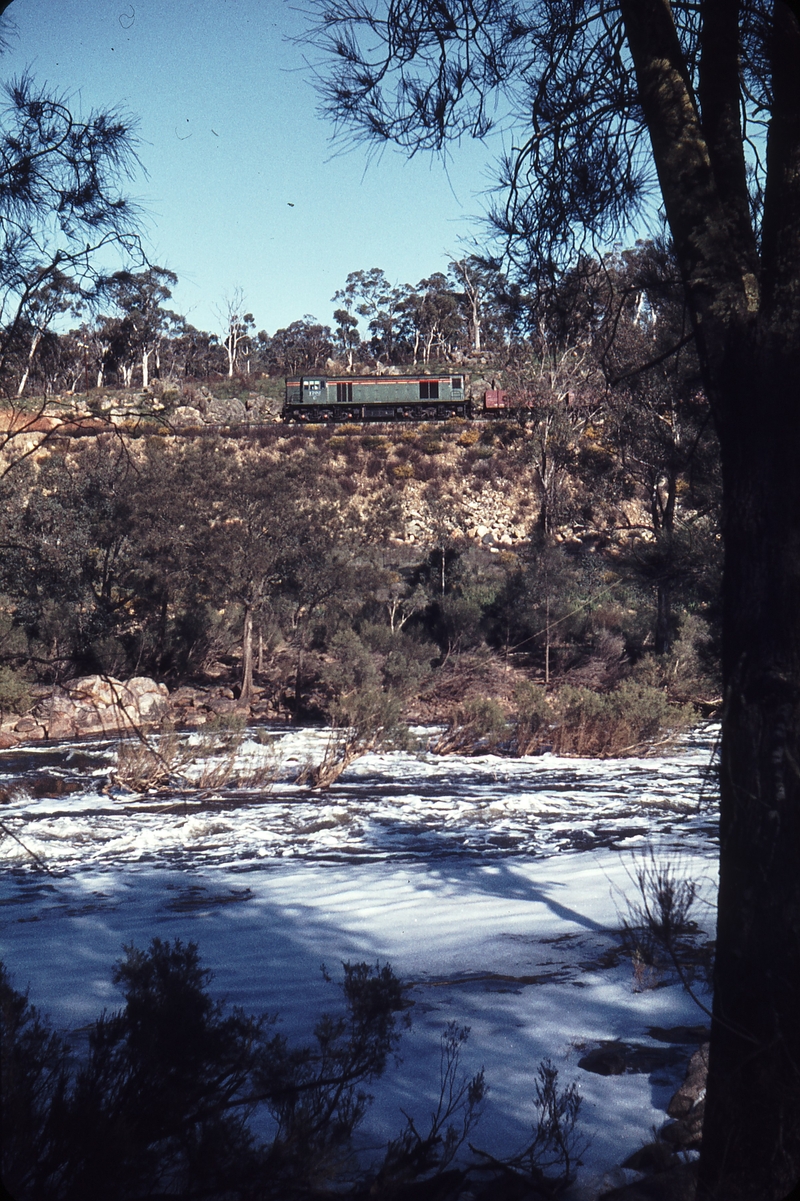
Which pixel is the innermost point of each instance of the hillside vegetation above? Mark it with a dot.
(467, 572)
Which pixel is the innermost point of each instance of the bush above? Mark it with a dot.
(160, 1104)
(658, 930)
(621, 722)
(532, 718)
(684, 673)
(15, 691)
(477, 727)
(367, 686)
(212, 759)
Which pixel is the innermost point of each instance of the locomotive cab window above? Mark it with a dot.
(429, 389)
(456, 383)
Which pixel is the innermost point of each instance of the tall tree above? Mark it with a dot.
(238, 329)
(140, 297)
(700, 101)
(370, 294)
(431, 316)
(52, 294)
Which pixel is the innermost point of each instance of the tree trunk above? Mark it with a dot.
(247, 657)
(751, 1137)
(664, 634)
(35, 340)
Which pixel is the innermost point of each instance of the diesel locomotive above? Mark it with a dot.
(313, 398)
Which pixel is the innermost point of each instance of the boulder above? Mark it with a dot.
(61, 725)
(186, 415)
(29, 729)
(226, 412)
(100, 704)
(676, 1184)
(97, 690)
(693, 1089)
(150, 699)
(687, 1106)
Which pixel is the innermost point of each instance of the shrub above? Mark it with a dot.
(477, 727)
(374, 442)
(365, 709)
(15, 691)
(532, 718)
(620, 722)
(160, 1104)
(210, 760)
(657, 928)
(403, 471)
(469, 437)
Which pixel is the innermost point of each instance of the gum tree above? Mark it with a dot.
(615, 103)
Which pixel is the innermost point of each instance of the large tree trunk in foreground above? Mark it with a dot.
(744, 298)
(751, 1138)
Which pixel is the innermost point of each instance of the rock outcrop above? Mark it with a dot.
(91, 705)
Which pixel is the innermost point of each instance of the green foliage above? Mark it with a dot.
(623, 721)
(532, 718)
(459, 1108)
(687, 672)
(477, 727)
(15, 691)
(367, 678)
(555, 1150)
(316, 1094)
(35, 1084)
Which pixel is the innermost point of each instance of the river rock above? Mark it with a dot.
(688, 1104)
(96, 705)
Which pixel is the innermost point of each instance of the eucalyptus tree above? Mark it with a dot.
(371, 296)
(432, 319)
(618, 103)
(144, 323)
(479, 285)
(303, 345)
(50, 296)
(347, 336)
(660, 421)
(238, 327)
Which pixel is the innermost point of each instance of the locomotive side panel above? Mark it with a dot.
(374, 398)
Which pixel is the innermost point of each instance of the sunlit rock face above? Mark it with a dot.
(91, 705)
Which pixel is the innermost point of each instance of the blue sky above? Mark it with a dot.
(244, 188)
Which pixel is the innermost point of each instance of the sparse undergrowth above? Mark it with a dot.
(657, 928)
(192, 762)
(629, 720)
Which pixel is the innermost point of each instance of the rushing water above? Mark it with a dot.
(494, 886)
(395, 806)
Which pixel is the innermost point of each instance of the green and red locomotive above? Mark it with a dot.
(312, 398)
